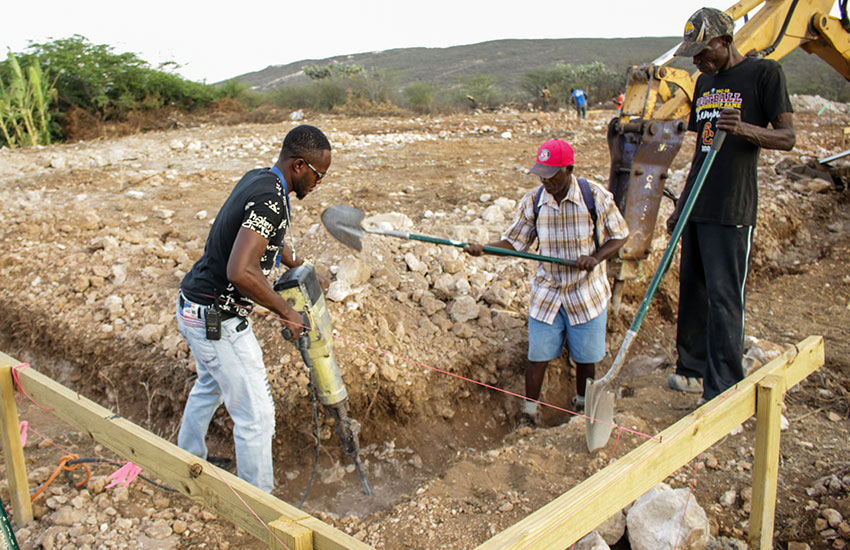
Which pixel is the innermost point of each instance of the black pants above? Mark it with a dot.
(710, 332)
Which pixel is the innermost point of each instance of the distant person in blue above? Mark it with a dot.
(579, 99)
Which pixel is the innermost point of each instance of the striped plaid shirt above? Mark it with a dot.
(566, 231)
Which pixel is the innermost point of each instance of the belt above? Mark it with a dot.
(182, 301)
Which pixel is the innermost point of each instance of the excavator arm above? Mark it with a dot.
(645, 138)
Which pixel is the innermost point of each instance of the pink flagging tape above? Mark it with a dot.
(124, 475)
(24, 425)
(17, 380)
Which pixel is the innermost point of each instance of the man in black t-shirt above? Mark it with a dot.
(225, 282)
(746, 98)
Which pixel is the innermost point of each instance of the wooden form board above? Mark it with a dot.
(176, 467)
(577, 512)
(555, 526)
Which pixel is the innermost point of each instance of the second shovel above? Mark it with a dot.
(345, 224)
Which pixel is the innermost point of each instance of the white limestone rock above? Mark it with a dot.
(656, 522)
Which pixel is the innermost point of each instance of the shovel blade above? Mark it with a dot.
(599, 408)
(344, 224)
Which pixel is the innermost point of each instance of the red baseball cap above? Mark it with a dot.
(551, 157)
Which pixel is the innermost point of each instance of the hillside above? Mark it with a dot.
(509, 60)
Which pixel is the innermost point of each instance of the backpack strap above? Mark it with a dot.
(537, 211)
(590, 203)
(537, 203)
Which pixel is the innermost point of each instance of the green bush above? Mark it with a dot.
(419, 96)
(110, 85)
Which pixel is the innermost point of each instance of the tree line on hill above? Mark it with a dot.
(43, 88)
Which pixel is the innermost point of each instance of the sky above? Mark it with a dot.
(212, 43)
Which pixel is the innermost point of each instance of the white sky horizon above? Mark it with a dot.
(211, 45)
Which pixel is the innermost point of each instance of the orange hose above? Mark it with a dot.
(63, 466)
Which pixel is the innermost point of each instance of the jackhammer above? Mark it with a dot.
(300, 287)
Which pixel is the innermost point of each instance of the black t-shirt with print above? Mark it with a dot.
(756, 87)
(257, 202)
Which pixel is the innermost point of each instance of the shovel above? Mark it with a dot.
(599, 399)
(344, 223)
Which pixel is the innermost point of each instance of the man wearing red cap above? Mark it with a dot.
(746, 98)
(572, 219)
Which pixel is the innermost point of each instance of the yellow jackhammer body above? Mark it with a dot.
(300, 287)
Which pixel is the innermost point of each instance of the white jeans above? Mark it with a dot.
(230, 371)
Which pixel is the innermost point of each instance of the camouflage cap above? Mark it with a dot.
(705, 24)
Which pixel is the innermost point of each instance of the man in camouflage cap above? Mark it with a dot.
(745, 97)
(703, 26)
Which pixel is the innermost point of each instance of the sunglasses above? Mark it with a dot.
(319, 175)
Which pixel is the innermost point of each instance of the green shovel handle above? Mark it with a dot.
(496, 250)
(488, 249)
(664, 265)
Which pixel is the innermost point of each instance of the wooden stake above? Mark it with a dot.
(769, 396)
(292, 535)
(13, 451)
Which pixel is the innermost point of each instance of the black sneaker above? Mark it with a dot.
(577, 403)
(526, 421)
(221, 462)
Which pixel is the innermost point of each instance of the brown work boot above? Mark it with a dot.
(683, 383)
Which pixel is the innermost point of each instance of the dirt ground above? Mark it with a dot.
(96, 236)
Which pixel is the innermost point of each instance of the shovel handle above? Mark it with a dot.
(527, 255)
(488, 249)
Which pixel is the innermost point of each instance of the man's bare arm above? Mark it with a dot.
(779, 135)
(243, 270)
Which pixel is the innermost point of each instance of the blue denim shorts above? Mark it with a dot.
(586, 342)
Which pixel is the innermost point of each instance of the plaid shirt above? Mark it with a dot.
(566, 231)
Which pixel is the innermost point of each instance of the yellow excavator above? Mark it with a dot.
(648, 133)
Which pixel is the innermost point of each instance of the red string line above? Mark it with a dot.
(221, 478)
(687, 501)
(614, 450)
(489, 386)
(45, 438)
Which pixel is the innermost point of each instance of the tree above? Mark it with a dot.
(484, 88)
(316, 72)
(108, 84)
(351, 70)
(595, 78)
